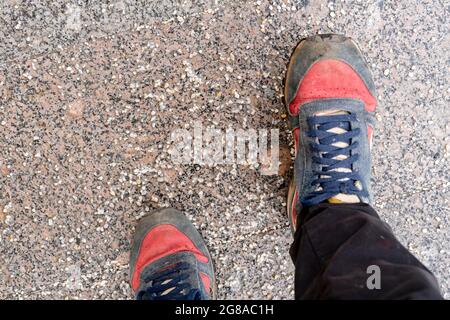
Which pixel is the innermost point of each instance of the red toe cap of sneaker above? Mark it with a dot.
(160, 241)
(332, 79)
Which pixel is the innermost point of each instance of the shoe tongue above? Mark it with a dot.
(341, 197)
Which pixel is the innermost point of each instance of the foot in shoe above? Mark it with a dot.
(169, 259)
(331, 100)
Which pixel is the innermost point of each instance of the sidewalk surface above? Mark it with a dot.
(89, 95)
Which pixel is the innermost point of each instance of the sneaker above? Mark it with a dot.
(169, 259)
(331, 100)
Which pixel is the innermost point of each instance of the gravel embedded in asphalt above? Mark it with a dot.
(89, 96)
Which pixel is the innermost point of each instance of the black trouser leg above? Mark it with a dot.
(336, 243)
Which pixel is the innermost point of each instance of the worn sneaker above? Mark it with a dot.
(331, 100)
(169, 260)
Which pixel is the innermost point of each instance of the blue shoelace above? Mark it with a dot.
(333, 182)
(172, 278)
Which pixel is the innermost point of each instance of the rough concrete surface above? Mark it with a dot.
(89, 94)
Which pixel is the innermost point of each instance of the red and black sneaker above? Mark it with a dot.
(331, 100)
(169, 259)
